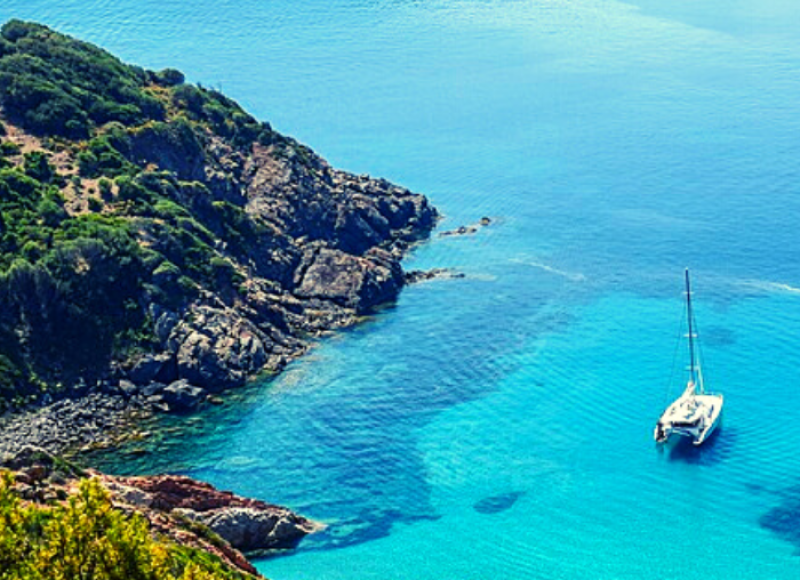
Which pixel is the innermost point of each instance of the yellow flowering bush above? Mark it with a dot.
(86, 538)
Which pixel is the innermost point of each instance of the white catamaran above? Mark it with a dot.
(695, 414)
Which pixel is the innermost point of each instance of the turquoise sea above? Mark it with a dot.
(500, 426)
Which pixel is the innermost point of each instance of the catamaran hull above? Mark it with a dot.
(665, 431)
(715, 420)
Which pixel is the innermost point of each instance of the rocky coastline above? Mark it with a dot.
(216, 344)
(160, 247)
(189, 242)
(342, 238)
(185, 511)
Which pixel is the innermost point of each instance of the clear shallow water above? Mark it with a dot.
(615, 144)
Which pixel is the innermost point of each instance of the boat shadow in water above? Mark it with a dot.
(716, 449)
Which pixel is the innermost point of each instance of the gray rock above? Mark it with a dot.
(250, 529)
(149, 367)
(459, 231)
(67, 425)
(152, 389)
(182, 396)
(165, 322)
(415, 276)
(217, 348)
(127, 388)
(358, 282)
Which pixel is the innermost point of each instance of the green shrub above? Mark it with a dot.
(189, 97)
(106, 189)
(33, 250)
(170, 210)
(50, 212)
(38, 167)
(9, 148)
(222, 271)
(169, 77)
(101, 158)
(167, 270)
(188, 286)
(95, 204)
(129, 190)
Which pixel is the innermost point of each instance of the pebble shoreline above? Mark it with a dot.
(68, 426)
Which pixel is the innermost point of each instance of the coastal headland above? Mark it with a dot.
(159, 245)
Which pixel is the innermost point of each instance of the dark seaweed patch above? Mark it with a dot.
(784, 519)
(497, 503)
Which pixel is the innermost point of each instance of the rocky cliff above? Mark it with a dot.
(157, 239)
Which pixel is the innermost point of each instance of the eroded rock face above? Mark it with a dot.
(351, 281)
(326, 250)
(217, 348)
(247, 524)
(307, 199)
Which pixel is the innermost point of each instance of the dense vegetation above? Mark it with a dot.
(86, 538)
(55, 85)
(108, 216)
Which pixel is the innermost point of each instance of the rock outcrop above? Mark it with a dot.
(216, 348)
(248, 525)
(189, 512)
(328, 251)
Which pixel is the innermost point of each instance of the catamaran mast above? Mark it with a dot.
(692, 369)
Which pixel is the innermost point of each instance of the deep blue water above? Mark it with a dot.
(500, 426)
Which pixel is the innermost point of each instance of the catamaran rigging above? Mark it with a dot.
(695, 414)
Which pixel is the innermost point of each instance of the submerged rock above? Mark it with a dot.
(466, 230)
(459, 231)
(415, 276)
